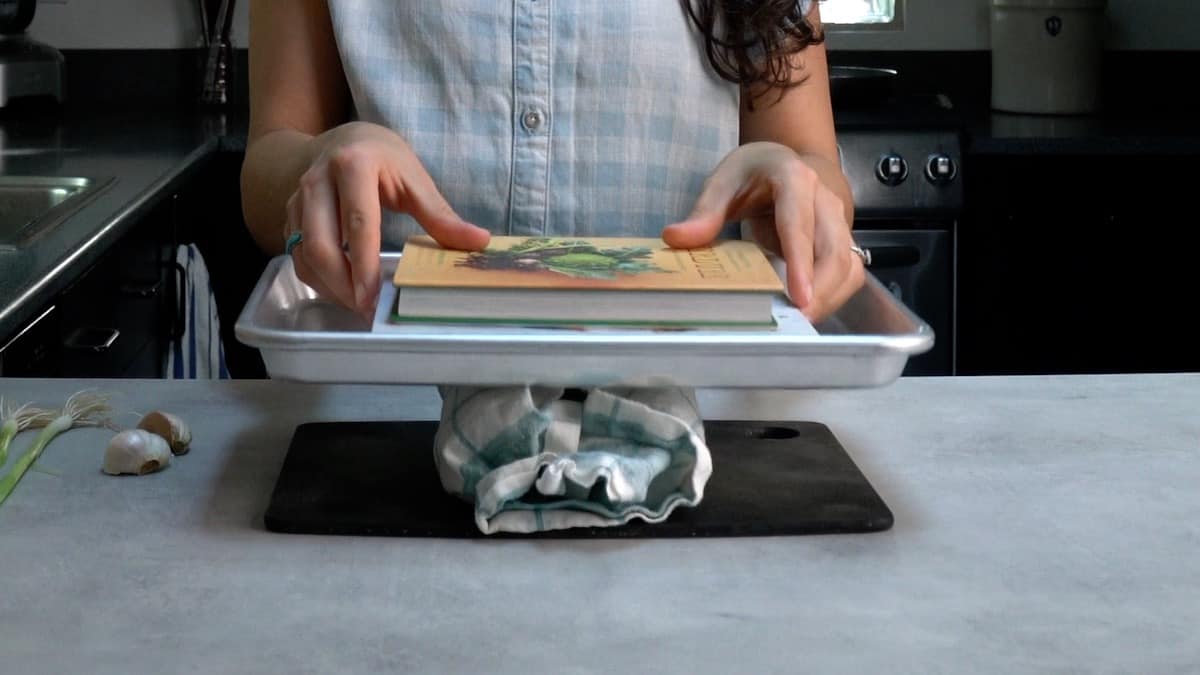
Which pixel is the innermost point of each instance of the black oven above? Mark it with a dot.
(915, 261)
(908, 197)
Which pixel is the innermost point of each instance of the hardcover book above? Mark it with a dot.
(600, 281)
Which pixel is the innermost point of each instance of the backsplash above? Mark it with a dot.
(929, 25)
(127, 24)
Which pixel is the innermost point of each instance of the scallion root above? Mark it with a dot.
(15, 420)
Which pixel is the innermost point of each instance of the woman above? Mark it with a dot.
(373, 119)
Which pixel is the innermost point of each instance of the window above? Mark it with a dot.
(861, 13)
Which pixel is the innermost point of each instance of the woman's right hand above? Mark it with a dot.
(358, 170)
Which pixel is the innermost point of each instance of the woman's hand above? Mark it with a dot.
(360, 169)
(792, 213)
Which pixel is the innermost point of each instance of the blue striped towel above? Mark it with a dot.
(197, 353)
(532, 461)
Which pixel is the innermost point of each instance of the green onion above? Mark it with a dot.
(82, 409)
(7, 431)
(16, 420)
(56, 427)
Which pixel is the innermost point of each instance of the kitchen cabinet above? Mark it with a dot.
(1077, 264)
(115, 319)
(118, 317)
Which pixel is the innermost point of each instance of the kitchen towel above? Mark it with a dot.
(196, 353)
(531, 460)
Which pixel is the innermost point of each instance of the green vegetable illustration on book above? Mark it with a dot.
(569, 257)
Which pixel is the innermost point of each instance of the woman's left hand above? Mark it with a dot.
(792, 213)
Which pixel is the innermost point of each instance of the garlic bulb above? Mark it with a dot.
(136, 451)
(170, 427)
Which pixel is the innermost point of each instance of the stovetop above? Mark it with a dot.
(903, 156)
(901, 112)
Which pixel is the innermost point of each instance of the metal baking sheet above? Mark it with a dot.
(304, 338)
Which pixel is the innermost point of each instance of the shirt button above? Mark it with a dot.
(532, 120)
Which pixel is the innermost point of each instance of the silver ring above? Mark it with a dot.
(863, 254)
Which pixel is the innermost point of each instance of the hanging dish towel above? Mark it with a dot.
(197, 353)
(531, 460)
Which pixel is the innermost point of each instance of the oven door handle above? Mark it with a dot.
(884, 257)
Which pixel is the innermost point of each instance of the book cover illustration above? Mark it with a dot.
(576, 258)
(596, 263)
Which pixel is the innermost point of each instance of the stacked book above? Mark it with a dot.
(587, 282)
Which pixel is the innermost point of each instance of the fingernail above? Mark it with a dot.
(806, 293)
(360, 294)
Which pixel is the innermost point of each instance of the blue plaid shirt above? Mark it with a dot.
(543, 117)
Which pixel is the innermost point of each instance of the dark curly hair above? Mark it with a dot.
(751, 42)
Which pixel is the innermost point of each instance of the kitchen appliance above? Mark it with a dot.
(28, 68)
(850, 85)
(903, 158)
(1046, 55)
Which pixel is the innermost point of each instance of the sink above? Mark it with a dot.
(32, 205)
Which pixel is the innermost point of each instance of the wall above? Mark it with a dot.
(929, 25)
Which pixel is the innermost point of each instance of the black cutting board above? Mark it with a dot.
(378, 478)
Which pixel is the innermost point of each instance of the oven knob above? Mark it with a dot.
(941, 169)
(891, 170)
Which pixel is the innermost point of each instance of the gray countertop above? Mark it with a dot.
(146, 153)
(1042, 525)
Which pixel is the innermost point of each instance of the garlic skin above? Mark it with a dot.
(174, 430)
(136, 451)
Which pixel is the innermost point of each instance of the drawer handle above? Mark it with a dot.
(893, 256)
(92, 339)
(141, 289)
(179, 321)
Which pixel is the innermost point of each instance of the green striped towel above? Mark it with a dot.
(532, 461)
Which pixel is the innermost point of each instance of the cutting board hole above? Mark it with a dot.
(772, 433)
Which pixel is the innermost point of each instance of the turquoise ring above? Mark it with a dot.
(292, 242)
